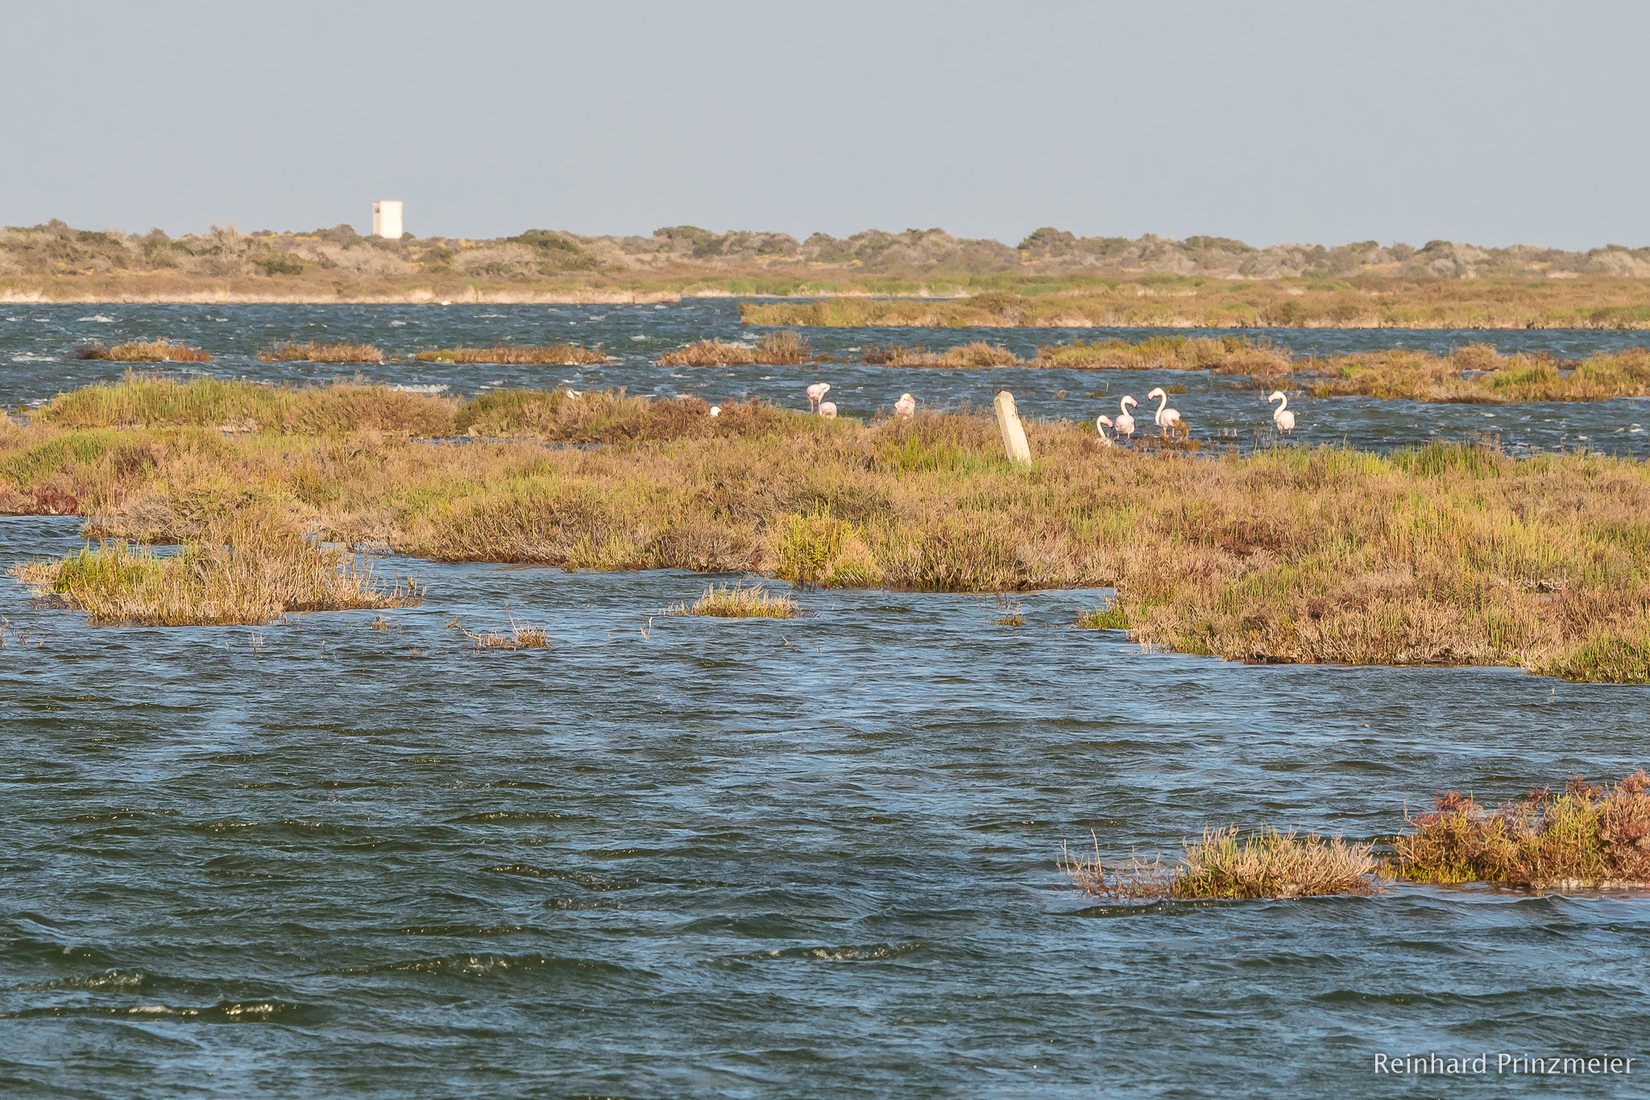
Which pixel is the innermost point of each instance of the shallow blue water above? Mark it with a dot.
(673, 856)
(37, 342)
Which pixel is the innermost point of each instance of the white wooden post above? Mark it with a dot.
(1014, 433)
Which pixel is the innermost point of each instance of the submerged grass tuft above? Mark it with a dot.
(519, 636)
(1584, 837)
(564, 355)
(1225, 864)
(740, 602)
(1010, 613)
(977, 353)
(144, 351)
(289, 351)
(781, 348)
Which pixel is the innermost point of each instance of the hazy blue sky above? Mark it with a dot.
(1493, 122)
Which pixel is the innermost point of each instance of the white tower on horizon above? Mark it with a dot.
(386, 218)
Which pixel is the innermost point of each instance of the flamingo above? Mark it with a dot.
(827, 409)
(816, 393)
(1281, 416)
(1164, 417)
(906, 406)
(1101, 423)
(1125, 422)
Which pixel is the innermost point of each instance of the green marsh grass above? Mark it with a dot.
(1109, 617)
(1444, 554)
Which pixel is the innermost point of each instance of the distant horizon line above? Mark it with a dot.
(1203, 239)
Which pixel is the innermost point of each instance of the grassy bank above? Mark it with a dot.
(1199, 302)
(1438, 555)
(1475, 373)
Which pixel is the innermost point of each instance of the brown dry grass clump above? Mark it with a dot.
(1444, 554)
(1584, 837)
(145, 351)
(977, 353)
(1224, 864)
(289, 351)
(561, 355)
(250, 567)
(737, 601)
(781, 348)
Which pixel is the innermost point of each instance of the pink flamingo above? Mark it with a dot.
(816, 394)
(1125, 422)
(1165, 418)
(906, 406)
(827, 409)
(1101, 423)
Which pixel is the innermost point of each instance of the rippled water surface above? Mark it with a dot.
(36, 343)
(677, 856)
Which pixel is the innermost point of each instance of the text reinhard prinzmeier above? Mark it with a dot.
(1508, 1064)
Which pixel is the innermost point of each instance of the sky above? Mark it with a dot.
(1268, 120)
